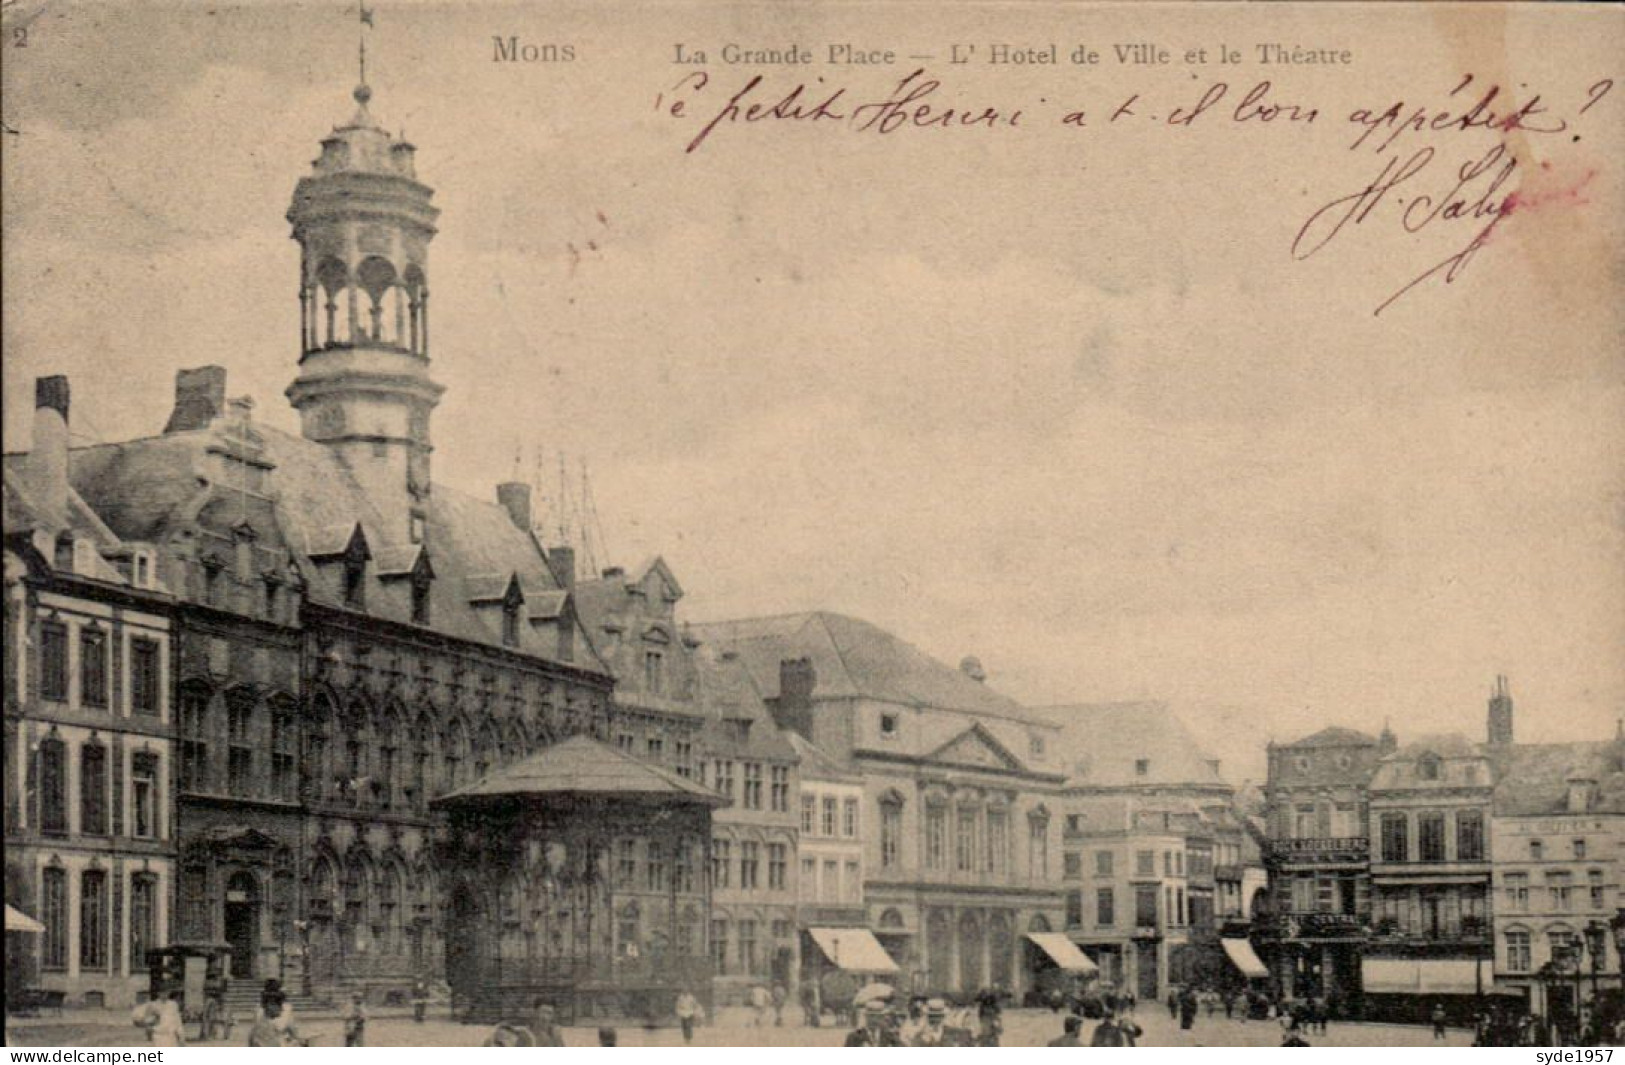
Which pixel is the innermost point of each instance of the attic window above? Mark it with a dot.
(355, 587)
(510, 623)
(888, 726)
(141, 569)
(1142, 767)
(1428, 768)
(420, 600)
(1035, 746)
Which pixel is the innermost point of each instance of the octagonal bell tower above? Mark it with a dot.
(363, 223)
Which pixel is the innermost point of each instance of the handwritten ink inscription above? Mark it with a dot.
(1436, 166)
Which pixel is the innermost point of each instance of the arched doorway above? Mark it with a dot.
(465, 919)
(1001, 951)
(970, 952)
(937, 943)
(242, 920)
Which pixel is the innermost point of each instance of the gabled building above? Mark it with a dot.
(959, 783)
(1318, 856)
(1153, 849)
(1557, 848)
(89, 726)
(1430, 876)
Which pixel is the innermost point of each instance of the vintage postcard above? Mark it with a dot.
(813, 524)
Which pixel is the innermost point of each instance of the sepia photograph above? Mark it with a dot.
(909, 524)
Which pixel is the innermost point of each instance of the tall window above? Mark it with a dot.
(626, 863)
(749, 864)
(144, 799)
(1145, 906)
(53, 786)
(1469, 836)
(854, 883)
(93, 789)
(53, 652)
(720, 855)
(284, 757)
(1105, 907)
(777, 861)
(829, 889)
(240, 745)
(1594, 883)
(1395, 838)
(93, 667)
(780, 798)
(808, 888)
(1072, 866)
(1518, 954)
(753, 786)
(809, 814)
(965, 840)
(1562, 888)
(725, 777)
(355, 583)
(657, 867)
(1430, 837)
(1517, 885)
(54, 916)
(1074, 909)
(826, 822)
(747, 946)
(719, 946)
(998, 842)
(1145, 863)
(143, 917)
(1103, 863)
(936, 837)
(1038, 848)
(194, 744)
(654, 676)
(683, 757)
(891, 834)
(849, 818)
(93, 919)
(144, 676)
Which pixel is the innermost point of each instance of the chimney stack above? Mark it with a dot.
(514, 496)
(48, 456)
(794, 707)
(562, 561)
(1500, 714)
(971, 666)
(200, 397)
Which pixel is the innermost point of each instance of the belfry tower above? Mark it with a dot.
(363, 222)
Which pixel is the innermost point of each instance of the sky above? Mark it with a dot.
(1062, 400)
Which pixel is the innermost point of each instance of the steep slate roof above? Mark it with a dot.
(854, 659)
(727, 694)
(1533, 777)
(155, 488)
(818, 764)
(583, 766)
(19, 513)
(1101, 742)
(1334, 736)
(1460, 762)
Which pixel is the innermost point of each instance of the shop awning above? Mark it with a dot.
(18, 921)
(1241, 953)
(853, 949)
(1420, 976)
(1063, 952)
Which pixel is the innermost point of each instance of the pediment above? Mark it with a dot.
(977, 748)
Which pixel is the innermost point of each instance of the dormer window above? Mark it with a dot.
(888, 726)
(1035, 746)
(510, 622)
(1428, 768)
(355, 583)
(141, 569)
(420, 599)
(1142, 767)
(654, 677)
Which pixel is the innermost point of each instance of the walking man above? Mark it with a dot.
(688, 1010)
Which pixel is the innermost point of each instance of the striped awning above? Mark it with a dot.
(854, 949)
(1063, 952)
